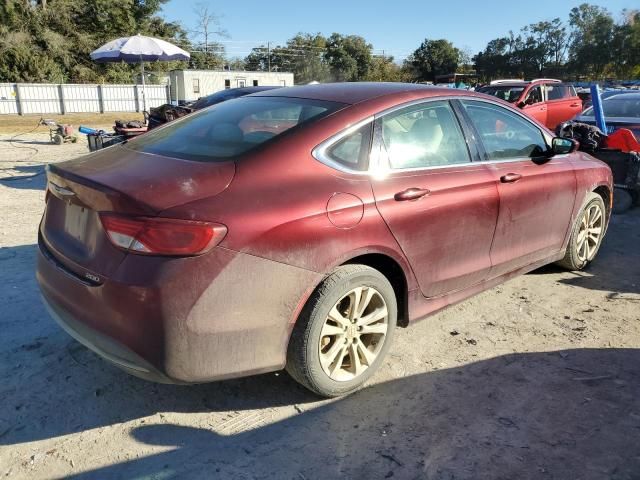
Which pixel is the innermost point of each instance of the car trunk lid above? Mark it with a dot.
(116, 180)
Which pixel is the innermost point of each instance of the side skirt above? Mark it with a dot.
(420, 307)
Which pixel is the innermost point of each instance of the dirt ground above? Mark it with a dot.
(13, 124)
(536, 379)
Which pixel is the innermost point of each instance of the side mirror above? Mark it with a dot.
(562, 146)
(521, 104)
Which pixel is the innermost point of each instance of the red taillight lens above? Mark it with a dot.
(161, 236)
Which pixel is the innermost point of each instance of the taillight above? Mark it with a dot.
(161, 236)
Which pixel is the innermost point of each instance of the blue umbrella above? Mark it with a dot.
(139, 48)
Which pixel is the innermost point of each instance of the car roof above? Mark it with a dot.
(352, 92)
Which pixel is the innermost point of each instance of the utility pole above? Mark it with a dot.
(269, 55)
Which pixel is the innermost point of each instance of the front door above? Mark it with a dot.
(534, 105)
(441, 208)
(536, 195)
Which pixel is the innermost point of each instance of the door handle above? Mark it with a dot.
(411, 194)
(575, 105)
(510, 177)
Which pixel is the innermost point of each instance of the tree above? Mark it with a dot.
(432, 58)
(51, 41)
(348, 57)
(592, 37)
(208, 54)
(303, 55)
(384, 69)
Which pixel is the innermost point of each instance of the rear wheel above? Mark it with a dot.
(587, 235)
(344, 331)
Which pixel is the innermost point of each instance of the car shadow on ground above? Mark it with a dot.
(566, 414)
(27, 177)
(18, 142)
(615, 269)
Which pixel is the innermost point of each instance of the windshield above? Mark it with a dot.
(231, 128)
(508, 93)
(618, 107)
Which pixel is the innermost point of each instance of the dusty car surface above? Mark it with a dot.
(549, 101)
(298, 227)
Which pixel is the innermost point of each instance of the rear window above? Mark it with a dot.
(231, 128)
(508, 93)
(618, 107)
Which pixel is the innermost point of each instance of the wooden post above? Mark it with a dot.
(19, 104)
(100, 99)
(63, 109)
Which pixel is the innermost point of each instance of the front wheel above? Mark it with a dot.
(344, 331)
(587, 234)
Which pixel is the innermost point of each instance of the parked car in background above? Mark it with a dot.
(549, 101)
(166, 113)
(621, 110)
(296, 228)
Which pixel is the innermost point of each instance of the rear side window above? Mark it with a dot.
(232, 128)
(425, 135)
(504, 134)
(352, 151)
(557, 92)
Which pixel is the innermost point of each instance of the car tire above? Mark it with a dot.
(583, 243)
(338, 322)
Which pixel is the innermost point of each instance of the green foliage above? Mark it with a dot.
(52, 43)
(432, 58)
(589, 46)
(384, 69)
(303, 55)
(348, 56)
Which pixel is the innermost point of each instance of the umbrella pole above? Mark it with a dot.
(144, 98)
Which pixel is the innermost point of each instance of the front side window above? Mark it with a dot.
(229, 129)
(504, 134)
(424, 135)
(533, 96)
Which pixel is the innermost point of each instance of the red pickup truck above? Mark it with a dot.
(549, 101)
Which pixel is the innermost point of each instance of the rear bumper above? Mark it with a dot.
(105, 346)
(181, 320)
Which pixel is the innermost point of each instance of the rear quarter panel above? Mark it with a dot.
(591, 173)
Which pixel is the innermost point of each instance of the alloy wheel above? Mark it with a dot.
(590, 232)
(353, 334)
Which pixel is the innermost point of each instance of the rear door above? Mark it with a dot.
(536, 195)
(562, 103)
(441, 207)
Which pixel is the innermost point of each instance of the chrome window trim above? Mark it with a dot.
(320, 151)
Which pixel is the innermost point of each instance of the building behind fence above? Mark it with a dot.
(48, 98)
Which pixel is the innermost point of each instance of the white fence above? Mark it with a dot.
(41, 98)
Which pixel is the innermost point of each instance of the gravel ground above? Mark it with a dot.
(538, 378)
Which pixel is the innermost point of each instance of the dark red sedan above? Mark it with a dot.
(298, 227)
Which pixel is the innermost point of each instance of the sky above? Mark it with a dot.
(397, 27)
